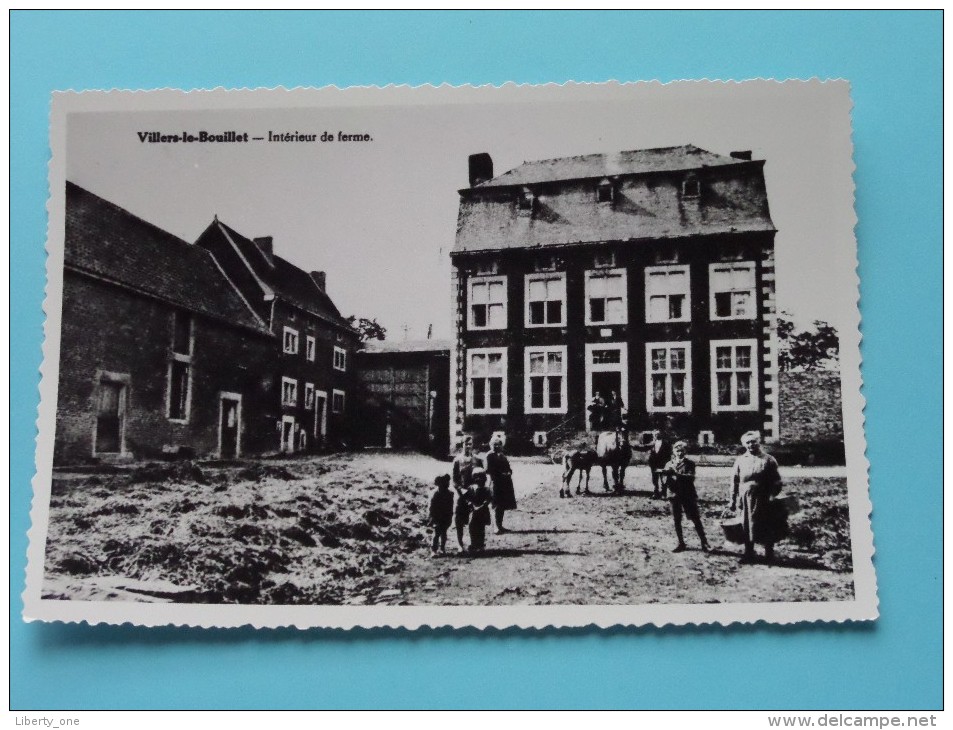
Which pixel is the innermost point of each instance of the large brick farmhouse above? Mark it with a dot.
(314, 344)
(159, 354)
(170, 348)
(649, 273)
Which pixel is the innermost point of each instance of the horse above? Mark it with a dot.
(613, 450)
(581, 460)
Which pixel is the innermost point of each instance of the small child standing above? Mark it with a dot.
(480, 498)
(441, 513)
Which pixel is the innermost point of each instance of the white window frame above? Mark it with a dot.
(605, 273)
(310, 347)
(753, 369)
(545, 276)
(487, 280)
(185, 358)
(294, 383)
(224, 395)
(309, 395)
(668, 346)
(621, 367)
(753, 290)
(503, 388)
(334, 399)
(527, 375)
(686, 309)
(339, 353)
(291, 349)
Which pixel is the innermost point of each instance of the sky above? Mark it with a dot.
(380, 216)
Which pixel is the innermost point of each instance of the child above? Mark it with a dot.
(441, 513)
(679, 477)
(480, 498)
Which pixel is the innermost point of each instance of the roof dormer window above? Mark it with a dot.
(691, 188)
(526, 201)
(605, 192)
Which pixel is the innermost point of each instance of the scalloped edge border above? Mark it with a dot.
(417, 619)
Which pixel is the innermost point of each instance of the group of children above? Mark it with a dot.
(471, 507)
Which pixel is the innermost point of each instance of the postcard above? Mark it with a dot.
(561, 355)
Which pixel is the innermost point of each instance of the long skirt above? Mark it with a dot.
(764, 520)
(504, 496)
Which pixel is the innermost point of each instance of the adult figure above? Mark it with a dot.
(660, 453)
(614, 408)
(597, 412)
(464, 465)
(501, 476)
(679, 475)
(754, 481)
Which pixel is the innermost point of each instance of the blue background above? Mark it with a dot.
(894, 63)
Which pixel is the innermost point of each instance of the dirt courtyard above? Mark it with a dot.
(351, 529)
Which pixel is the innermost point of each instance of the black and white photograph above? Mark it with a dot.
(513, 356)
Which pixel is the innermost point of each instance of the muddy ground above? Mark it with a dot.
(351, 529)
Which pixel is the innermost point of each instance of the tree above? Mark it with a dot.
(809, 349)
(368, 329)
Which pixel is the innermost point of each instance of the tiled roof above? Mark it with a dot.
(289, 282)
(631, 162)
(109, 242)
(378, 346)
(569, 214)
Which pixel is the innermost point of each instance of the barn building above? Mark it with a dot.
(159, 354)
(649, 273)
(404, 392)
(314, 344)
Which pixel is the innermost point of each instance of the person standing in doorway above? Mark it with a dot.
(501, 475)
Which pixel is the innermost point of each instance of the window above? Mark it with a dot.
(545, 263)
(309, 395)
(667, 294)
(525, 201)
(179, 381)
(291, 341)
(289, 392)
(310, 347)
(486, 380)
(691, 187)
(733, 374)
(180, 368)
(606, 297)
(337, 401)
(732, 290)
(340, 358)
(182, 333)
(545, 299)
(487, 303)
(668, 376)
(605, 192)
(603, 260)
(545, 370)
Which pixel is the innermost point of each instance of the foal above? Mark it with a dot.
(581, 460)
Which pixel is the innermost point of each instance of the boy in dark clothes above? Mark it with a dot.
(441, 513)
(679, 476)
(480, 498)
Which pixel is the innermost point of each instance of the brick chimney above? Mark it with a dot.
(320, 279)
(481, 168)
(741, 154)
(266, 245)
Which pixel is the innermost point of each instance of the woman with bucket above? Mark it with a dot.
(754, 482)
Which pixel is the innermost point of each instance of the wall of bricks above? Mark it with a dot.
(108, 328)
(810, 406)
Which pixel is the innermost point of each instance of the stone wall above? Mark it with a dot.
(810, 406)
